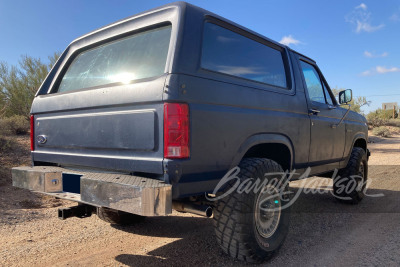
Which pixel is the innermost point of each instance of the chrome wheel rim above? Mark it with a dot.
(267, 211)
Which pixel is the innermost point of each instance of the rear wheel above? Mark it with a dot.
(349, 185)
(118, 217)
(251, 226)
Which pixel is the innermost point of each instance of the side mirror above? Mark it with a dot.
(345, 96)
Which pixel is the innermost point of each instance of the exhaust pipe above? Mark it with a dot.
(202, 210)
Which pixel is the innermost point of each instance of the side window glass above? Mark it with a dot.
(231, 53)
(328, 96)
(313, 82)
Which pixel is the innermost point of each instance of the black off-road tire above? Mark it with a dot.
(118, 217)
(349, 185)
(234, 216)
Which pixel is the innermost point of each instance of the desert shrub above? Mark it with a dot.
(393, 122)
(385, 114)
(3, 128)
(381, 117)
(5, 144)
(388, 114)
(14, 125)
(381, 131)
(375, 119)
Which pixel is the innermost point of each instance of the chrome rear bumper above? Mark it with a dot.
(133, 194)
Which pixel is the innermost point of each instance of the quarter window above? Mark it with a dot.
(230, 53)
(327, 95)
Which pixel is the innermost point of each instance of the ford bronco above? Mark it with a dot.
(152, 112)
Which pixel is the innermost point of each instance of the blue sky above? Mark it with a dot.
(355, 43)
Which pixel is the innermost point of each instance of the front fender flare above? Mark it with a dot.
(359, 135)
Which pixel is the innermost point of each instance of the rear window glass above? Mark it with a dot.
(231, 53)
(142, 55)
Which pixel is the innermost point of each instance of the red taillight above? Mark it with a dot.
(32, 133)
(176, 130)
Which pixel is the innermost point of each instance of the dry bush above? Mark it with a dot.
(381, 131)
(6, 144)
(376, 120)
(14, 125)
(3, 128)
(393, 122)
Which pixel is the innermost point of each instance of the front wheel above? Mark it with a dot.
(251, 225)
(350, 184)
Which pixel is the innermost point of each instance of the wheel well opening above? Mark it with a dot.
(276, 152)
(361, 143)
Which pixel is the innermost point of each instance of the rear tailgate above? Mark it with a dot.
(104, 106)
(114, 128)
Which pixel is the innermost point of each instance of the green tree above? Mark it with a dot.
(18, 84)
(355, 103)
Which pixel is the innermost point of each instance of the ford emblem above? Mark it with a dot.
(42, 139)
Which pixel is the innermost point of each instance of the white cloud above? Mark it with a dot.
(379, 70)
(366, 73)
(288, 40)
(361, 18)
(395, 17)
(368, 54)
(366, 27)
(362, 6)
(372, 55)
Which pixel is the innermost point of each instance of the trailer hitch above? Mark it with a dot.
(80, 211)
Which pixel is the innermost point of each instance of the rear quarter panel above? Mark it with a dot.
(223, 116)
(225, 111)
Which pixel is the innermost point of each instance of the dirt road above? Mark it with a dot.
(323, 231)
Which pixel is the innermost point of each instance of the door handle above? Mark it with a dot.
(313, 111)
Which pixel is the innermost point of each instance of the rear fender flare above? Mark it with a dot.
(265, 138)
